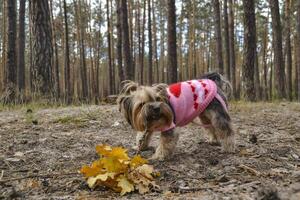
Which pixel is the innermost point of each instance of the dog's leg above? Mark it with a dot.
(210, 130)
(223, 131)
(221, 125)
(167, 144)
(142, 140)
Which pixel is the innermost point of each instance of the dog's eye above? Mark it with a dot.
(157, 99)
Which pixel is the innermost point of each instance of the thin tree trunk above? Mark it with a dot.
(218, 36)
(83, 68)
(21, 47)
(126, 45)
(264, 57)
(256, 78)
(172, 50)
(249, 49)
(298, 47)
(109, 50)
(119, 42)
(150, 76)
(278, 57)
(55, 59)
(143, 44)
(232, 49)
(155, 43)
(67, 57)
(226, 37)
(288, 50)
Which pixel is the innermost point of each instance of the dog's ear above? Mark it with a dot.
(128, 87)
(125, 106)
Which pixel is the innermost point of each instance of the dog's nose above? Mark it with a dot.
(156, 109)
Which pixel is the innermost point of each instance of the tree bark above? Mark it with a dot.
(68, 94)
(11, 69)
(226, 37)
(125, 40)
(119, 42)
(288, 50)
(298, 47)
(109, 50)
(278, 56)
(172, 52)
(21, 47)
(264, 57)
(150, 76)
(249, 49)
(232, 49)
(218, 36)
(4, 41)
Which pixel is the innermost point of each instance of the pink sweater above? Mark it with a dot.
(190, 98)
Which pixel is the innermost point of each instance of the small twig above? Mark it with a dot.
(249, 169)
(186, 190)
(37, 176)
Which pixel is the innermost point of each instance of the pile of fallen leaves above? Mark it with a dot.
(116, 170)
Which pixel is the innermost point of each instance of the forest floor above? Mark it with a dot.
(41, 152)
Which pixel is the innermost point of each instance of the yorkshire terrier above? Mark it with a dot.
(161, 108)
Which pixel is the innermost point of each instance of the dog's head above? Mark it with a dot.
(145, 107)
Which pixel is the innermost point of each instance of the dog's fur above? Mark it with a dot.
(147, 108)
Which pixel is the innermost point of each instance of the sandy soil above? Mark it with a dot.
(41, 152)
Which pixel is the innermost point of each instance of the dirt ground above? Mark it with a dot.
(41, 151)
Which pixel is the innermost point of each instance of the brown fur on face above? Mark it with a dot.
(140, 105)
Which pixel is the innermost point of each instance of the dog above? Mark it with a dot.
(162, 108)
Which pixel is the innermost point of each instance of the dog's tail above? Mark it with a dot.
(221, 82)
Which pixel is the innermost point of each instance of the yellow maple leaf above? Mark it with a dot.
(111, 164)
(93, 170)
(125, 185)
(103, 150)
(120, 154)
(102, 177)
(146, 170)
(137, 160)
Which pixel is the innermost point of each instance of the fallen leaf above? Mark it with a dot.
(137, 161)
(102, 177)
(125, 185)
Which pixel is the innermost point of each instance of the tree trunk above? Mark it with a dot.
(21, 47)
(298, 47)
(109, 50)
(264, 57)
(226, 36)
(249, 49)
(83, 67)
(232, 49)
(4, 40)
(67, 58)
(256, 78)
(119, 42)
(143, 44)
(126, 45)
(218, 36)
(172, 52)
(150, 76)
(155, 43)
(278, 57)
(11, 69)
(288, 50)
(42, 48)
